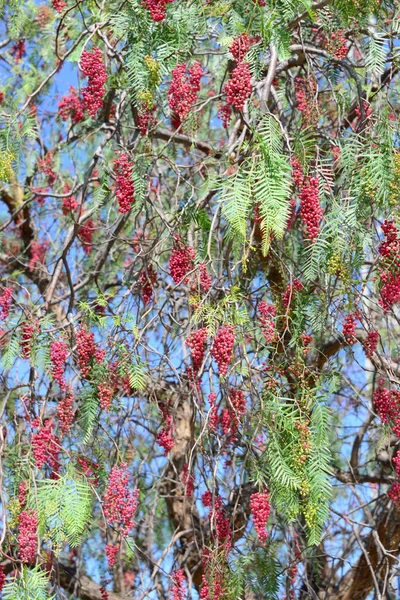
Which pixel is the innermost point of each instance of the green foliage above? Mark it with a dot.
(64, 509)
(31, 584)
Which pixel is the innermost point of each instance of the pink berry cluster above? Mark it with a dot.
(222, 347)
(225, 114)
(157, 8)
(46, 166)
(164, 437)
(105, 394)
(45, 445)
(5, 303)
(183, 90)
(260, 508)
(27, 535)
(120, 504)
(27, 334)
(147, 281)
(297, 172)
(394, 493)
(125, 189)
(92, 67)
(3, 577)
(387, 404)
(367, 110)
(349, 327)
(311, 212)
(111, 554)
(396, 462)
(71, 107)
(267, 314)
(58, 358)
(337, 44)
(197, 343)
(85, 234)
(239, 86)
(87, 350)
(65, 412)
(146, 120)
(181, 261)
(290, 292)
(389, 266)
(205, 278)
(306, 91)
(59, 5)
(38, 252)
(178, 590)
(188, 481)
(370, 343)
(240, 46)
(40, 195)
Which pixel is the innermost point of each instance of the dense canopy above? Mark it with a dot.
(199, 299)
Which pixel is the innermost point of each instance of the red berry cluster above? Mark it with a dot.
(120, 504)
(267, 316)
(205, 278)
(389, 266)
(183, 90)
(18, 49)
(58, 357)
(125, 189)
(239, 86)
(387, 404)
(394, 493)
(22, 491)
(71, 106)
(65, 412)
(396, 462)
(3, 577)
(225, 114)
(87, 350)
(156, 8)
(165, 440)
(188, 481)
(337, 44)
(27, 536)
(178, 591)
(5, 303)
(105, 395)
(104, 593)
(222, 348)
(92, 67)
(46, 166)
(306, 90)
(240, 46)
(70, 203)
(297, 172)
(28, 331)
(85, 234)
(213, 418)
(181, 261)
(260, 508)
(45, 445)
(59, 5)
(38, 252)
(290, 292)
(237, 409)
(367, 110)
(311, 212)
(40, 195)
(147, 281)
(370, 344)
(111, 553)
(146, 120)
(197, 344)
(349, 328)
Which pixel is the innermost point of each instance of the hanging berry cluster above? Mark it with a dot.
(197, 344)
(27, 535)
(45, 445)
(183, 90)
(311, 212)
(58, 357)
(178, 590)
(181, 261)
(222, 348)
(147, 281)
(65, 412)
(125, 189)
(71, 107)
(267, 314)
(387, 404)
(5, 303)
(260, 508)
(120, 504)
(389, 266)
(92, 67)
(157, 8)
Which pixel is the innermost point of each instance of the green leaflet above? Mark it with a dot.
(64, 509)
(263, 180)
(31, 584)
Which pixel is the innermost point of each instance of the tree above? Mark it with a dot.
(199, 299)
